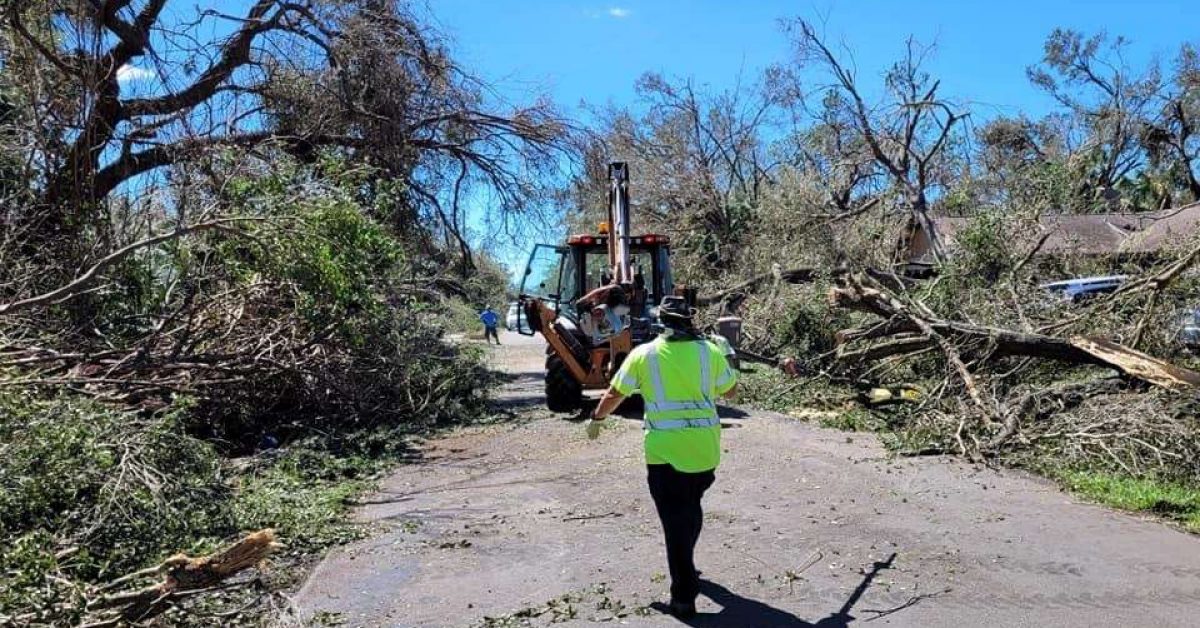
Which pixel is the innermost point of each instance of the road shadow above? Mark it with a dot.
(730, 412)
(514, 392)
(742, 612)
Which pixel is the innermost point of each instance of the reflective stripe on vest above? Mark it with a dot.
(678, 424)
(660, 391)
(661, 403)
(667, 406)
(705, 371)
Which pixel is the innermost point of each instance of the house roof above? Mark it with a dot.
(1094, 234)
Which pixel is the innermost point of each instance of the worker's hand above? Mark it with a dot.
(593, 429)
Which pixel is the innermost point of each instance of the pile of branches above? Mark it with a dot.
(992, 413)
(1149, 433)
(262, 319)
(170, 357)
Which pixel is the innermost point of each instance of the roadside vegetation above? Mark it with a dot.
(1175, 502)
(231, 251)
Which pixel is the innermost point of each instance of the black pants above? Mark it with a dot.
(489, 333)
(677, 498)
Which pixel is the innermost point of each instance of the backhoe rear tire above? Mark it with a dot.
(563, 393)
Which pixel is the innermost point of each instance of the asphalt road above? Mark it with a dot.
(529, 523)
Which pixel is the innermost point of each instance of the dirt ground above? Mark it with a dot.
(531, 524)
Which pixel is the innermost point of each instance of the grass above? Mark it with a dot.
(1172, 501)
(854, 420)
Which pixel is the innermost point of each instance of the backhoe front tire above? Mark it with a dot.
(563, 393)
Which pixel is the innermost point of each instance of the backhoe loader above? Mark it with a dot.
(595, 298)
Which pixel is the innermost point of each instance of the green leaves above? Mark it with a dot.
(118, 487)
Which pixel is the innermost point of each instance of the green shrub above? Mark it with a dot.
(801, 325)
(462, 318)
(984, 251)
(123, 486)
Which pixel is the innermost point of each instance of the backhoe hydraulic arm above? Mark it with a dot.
(618, 219)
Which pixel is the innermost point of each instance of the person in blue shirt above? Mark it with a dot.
(490, 320)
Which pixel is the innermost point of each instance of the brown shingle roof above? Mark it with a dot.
(1088, 234)
(1169, 228)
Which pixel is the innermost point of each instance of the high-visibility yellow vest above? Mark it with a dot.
(680, 382)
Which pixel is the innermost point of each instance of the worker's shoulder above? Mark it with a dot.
(719, 346)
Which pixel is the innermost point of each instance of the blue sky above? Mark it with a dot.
(581, 51)
(593, 51)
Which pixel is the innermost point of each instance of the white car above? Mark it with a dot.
(511, 319)
(1189, 330)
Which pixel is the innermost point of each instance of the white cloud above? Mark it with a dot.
(619, 12)
(128, 72)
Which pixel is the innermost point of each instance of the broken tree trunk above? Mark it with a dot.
(1139, 365)
(867, 295)
(123, 601)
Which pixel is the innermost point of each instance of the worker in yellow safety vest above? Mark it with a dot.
(679, 375)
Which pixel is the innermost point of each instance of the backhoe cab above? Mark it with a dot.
(595, 298)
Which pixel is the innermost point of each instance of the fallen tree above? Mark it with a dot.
(907, 328)
(911, 327)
